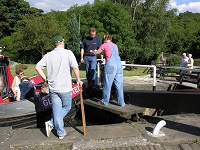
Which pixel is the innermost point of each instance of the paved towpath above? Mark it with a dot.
(182, 132)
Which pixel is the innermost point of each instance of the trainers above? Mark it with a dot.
(62, 136)
(48, 128)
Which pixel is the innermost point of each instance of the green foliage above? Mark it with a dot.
(141, 29)
(12, 13)
(184, 35)
(74, 35)
(21, 66)
(196, 62)
(174, 61)
(31, 47)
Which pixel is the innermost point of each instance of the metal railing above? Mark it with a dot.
(146, 66)
(131, 65)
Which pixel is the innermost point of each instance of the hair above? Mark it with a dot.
(92, 29)
(18, 70)
(58, 43)
(24, 78)
(107, 37)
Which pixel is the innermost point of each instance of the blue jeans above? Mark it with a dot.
(113, 73)
(90, 66)
(61, 105)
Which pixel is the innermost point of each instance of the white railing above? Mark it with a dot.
(131, 65)
(146, 66)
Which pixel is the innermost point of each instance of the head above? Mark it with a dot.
(58, 41)
(184, 55)
(92, 32)
(107, 37)
(23, 78)
(19, 72)
(190, 55)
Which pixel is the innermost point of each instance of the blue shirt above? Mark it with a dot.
(91, 44)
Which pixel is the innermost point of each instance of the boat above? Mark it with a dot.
(32, 111)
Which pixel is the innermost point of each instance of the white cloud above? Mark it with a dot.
(191, 6)
(62, 5)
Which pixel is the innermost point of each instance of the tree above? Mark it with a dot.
(151, 26)
(12, 13)
(184, 35)
(35, 37)
(74, 35)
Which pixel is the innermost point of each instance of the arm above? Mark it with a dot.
(76, 73)
(99, 51)
(82, 53)
(41, 73)
(13, 85)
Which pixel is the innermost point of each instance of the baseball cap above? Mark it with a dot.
(184, 54)
(58, 39)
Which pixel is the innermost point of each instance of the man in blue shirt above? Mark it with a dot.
(89, 43)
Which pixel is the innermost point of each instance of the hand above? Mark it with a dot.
(93, 52)
(82, 60)
(102, 60)
(80, 83)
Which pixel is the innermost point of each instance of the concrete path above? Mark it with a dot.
(180, 134)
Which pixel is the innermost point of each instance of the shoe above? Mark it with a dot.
(62, 137)
(48, 128)
(100, 103)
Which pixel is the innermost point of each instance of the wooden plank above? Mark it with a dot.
(114, 108)
(195, 146)
(158, 147)
(185, 147)
(168, 147)
(176, 148)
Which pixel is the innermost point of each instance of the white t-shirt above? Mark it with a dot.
(59, 63)
(191, 62)
(184, 62)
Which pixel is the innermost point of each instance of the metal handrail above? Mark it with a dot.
(145, 66)
(131, 65)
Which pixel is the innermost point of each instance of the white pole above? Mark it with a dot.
(145, 66)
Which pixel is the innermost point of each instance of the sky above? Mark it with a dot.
(62, 5)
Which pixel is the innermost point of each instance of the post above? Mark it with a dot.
(98, 74)
(198, 80)
(154, 77)
(83, 113)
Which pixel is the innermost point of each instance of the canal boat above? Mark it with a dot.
(32, 111)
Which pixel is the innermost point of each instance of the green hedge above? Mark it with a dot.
(21, 66)
(174, 61)
(196, 62)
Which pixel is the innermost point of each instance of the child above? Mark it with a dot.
(27, 88)
(16, 82)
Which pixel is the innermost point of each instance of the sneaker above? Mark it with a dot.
(48, 128)
(62, 137)
(100, 103)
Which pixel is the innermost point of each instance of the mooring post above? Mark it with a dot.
(154, 77)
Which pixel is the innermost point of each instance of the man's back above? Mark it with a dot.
(59, 63)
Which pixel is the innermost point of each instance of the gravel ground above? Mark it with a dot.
(126, 142)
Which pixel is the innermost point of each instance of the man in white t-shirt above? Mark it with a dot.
(184, 60)
(59, 63)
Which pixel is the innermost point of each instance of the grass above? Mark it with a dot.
(30, 71)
